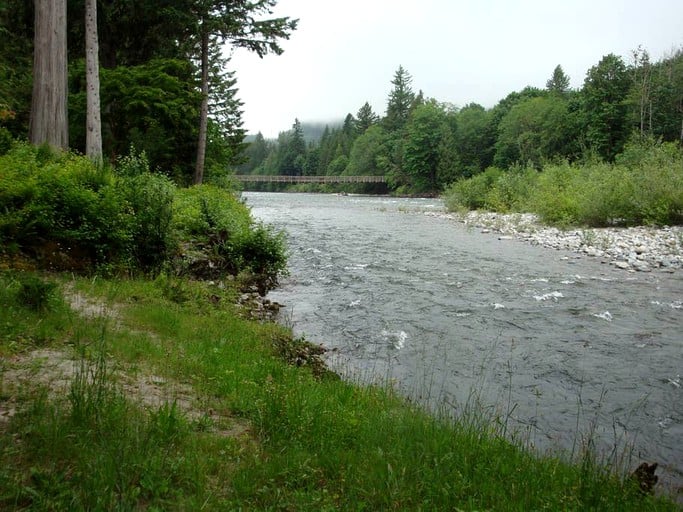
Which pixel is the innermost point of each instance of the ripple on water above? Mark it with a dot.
(441, 283)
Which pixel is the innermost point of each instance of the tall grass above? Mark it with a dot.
(315, 442)
(643, 186)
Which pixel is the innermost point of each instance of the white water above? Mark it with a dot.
(561, 346)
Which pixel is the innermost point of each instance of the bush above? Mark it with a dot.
(36, 293)
(68, 214)
(6, 140)
(150, 199)
(471, 193)
(61, 208)
(643, 186)
(220, 238)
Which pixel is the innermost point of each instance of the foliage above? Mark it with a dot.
(221, 229)
(559, 82)
(36, 293)
(153, 106)
(425, 130)
(366, 152)
(643, 186)
(473, 140)
(400, 100)
(535, 130)
(66, 213)
(61, 209)
(471, 193)
(604, 94)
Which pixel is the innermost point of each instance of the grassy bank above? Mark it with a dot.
(157, 395)
(643, 186)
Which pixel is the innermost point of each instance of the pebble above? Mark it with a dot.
(641, 248)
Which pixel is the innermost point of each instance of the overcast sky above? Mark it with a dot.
(345, 52)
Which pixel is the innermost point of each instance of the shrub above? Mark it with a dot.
(471, 193)
(219, 237)
(150, 199)
(68, 214)
(61, 208)
(36, 293)
(554, 198)
(6, 140)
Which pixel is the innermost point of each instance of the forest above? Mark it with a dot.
(422, 145)
(151, 96)
(162, 71)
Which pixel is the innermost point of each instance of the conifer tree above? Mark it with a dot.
(400, 101)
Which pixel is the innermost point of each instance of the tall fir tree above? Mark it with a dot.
(559, 82)
(400, 101)
(365, 118)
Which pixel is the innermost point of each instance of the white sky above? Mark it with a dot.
(345, 52)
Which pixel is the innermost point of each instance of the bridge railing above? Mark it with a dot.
(260, 178)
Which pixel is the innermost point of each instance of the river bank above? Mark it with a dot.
(146, 401)
(641, 249)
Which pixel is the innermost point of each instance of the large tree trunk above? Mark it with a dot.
(49, 115)
(93, 133)
(204, 112)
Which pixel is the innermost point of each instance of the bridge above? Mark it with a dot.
(261, 178)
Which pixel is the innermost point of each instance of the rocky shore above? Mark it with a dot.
(641, 249)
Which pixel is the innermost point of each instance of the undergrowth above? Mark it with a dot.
(314, 442)
(643, 186)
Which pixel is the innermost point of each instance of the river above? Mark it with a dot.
(561, 348)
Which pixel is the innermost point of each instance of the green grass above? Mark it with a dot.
(309, 441)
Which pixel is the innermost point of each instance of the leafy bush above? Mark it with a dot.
(512, 190)
(61, 208)
(643, 186)
(6, 140)
(471, 193)
(221, 228)
(150, 199)
(67, 213)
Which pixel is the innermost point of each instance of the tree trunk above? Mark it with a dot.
(204, 112)
(49, 116)
(93, 133)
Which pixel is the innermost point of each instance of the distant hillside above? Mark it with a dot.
(313, 130)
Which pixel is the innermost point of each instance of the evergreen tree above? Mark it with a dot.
(232, 21)
(293, 151)
(604, 92)
(93, 132)
(49, 115)
(255, 154)
(365, 118)
(401, 99)
(559, 82)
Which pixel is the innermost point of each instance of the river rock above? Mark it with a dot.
(641, 248)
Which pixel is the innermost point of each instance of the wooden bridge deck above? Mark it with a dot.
(260, 178)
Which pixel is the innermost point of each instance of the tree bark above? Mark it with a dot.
(49, 116)
(93, 133)
(204, 112)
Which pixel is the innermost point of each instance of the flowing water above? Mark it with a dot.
(562, 348)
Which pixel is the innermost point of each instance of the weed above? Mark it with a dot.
(36, 293)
